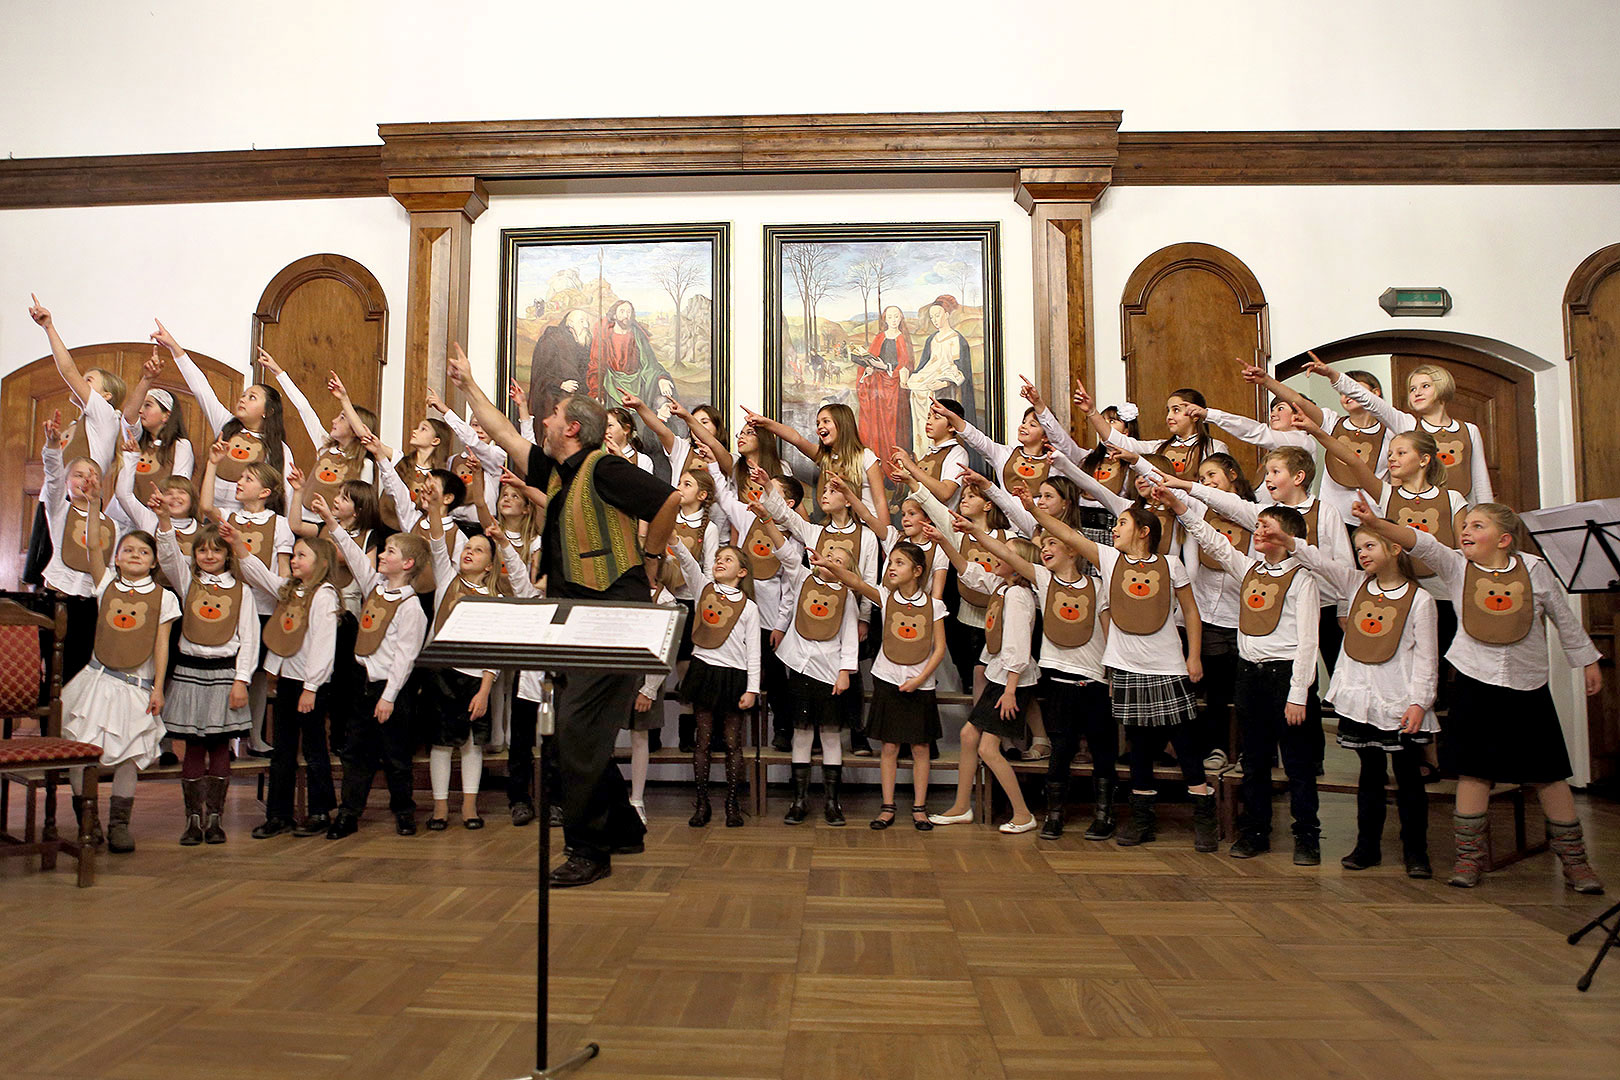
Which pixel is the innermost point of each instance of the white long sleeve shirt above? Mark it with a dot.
(218, 416)
(1152, 446)
(1331, 535)
(402, 642)
(1523, 664)
(1380, 694)
(244, 645)
(819, 660)
(767, 591)
(740, 650)
(1017, 627)
(53, 497)
(1298, 627)
(967, 614)
(490, 455)
(312, 663)
(809, 535)
(319, 433)
(1397, 421)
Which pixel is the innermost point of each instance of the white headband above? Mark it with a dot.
(1127, 411)
(163, 398)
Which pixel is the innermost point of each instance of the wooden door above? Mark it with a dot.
(325, 313)
(1592, 339)
(1493, 395)
(1190, 316)
(31, 393)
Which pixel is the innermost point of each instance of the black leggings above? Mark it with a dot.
(1220, 679)
(1073, 710)
(1146, 742)
(289, 728)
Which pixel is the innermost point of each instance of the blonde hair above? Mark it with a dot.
(1422, 442)
(1295, 460)
(847, 452)
(1504, 518)
(414, 548)
(1445, 387)
(325, 556)
(115, 386)
(1026, 550)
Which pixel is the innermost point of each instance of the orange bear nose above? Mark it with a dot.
(762, 549)
(328, 474)
(241, 453)
(1068, 611)
(907, 632)
(124, 622)
(143, 466)
(1257, 601)
(288, 622)
(366, 621)
(1137, 588)
(818, 610)
(1448, 458)
(1371, 626)
(1498, 603)
(711, 616)
(1179, 466)
(208, 611)
(1025, 469)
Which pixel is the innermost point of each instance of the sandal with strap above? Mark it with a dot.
(919, 819)
(881, 822)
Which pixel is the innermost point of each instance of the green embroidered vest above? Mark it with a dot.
(601, 543)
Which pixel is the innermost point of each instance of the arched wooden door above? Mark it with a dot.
(1190, 314)
(325, 313)
(31, 393)
(1592, 341)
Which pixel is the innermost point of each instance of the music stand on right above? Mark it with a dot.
(1581, 542)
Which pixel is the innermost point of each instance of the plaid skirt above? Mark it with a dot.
(1151, 700)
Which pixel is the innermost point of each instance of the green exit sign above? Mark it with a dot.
(1409, 302)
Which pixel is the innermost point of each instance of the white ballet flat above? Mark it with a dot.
(1013, 828)
(951, 819)
(640, 808)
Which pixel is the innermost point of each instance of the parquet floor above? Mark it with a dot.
(797, 953)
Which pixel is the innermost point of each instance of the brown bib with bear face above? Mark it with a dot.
(471, 471)
(1362, 442)
(714, 615)
(1022, 470)
(185, 538)
(127, 626)
(933, 462)
(692, 537)
(1498, 606)
(1110, 473)
(1069, 619)
(376, 614)
(819, 614)
(241, 450)
(212, 612)
(260, 539)
(1260, 601)
(76, 442)
(339, 573)
(762, 560)
(1431, 515)
(908, 631)
(975, 552)
(332, 470)
(75, 556)
(1184, 460)
(1169, 528)
(453, 594)
(1373, 631)
(1456, 451)
(1311, 516)
(1139, 594)
(995, 618)
(1237, 535)
(284, 633)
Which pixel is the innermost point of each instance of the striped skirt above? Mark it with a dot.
(198, 702)
(1151, 700)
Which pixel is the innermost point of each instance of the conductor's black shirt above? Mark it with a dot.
(620, 484)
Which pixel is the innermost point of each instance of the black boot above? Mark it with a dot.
(214, 788)
(1206, 829)
(831, 777)
(1103, 820)
(95, 836)
(191, 792)
(1140, 828)
(734, 816)
(1412, 806)
(1371, 810)
(801, 796)
(1057, 793)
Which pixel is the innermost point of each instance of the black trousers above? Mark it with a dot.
(592, 707)
(288, 728)
(348, 681)
(1073, 710)
(964, 644)
(1146, 742)
(1262, 696)
(1411, 800)
(388, 746)
(1330, 636)
(773, 680)
(520, 756)
(1220, 658)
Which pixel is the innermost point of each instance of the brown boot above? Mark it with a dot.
(192, 792)
(1473, 847)
(1570, 846)
(214, 788)
(120, 841)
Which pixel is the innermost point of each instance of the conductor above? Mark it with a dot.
(589, 550)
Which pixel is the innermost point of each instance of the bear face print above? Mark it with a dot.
(125, 614)
(1260, 601)
(213, 607)
(1372, 635)
(1142, 582)
(1449, 451)
(908, 636)
(147, 463)
(1498, 607)
(819, 603)
(327, 471)
(1106, 471)
(908, 627)
(848, 542)
(291, 619)
(712, 612)
(1072, 609)
(1066, 619)
(1499, 597)
(468, 470)
(760, 548)
(1027, 469)
(243, 448)
(1425, 520)
(1179, 457)
(1361, 448)
(819, 614)
(1260, 595)
(1374, 619)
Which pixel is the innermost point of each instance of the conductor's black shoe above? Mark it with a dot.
(579, 870)
(272, 827)
(343, 824)
(556, 817)
(405, 823)
(313, 825)
(1307, 851)
(634, 847)
(1417, 866)
(522, 813)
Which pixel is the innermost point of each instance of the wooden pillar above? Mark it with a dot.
(1059, 203)
(442, 210)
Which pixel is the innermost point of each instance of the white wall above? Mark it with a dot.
(107, 76)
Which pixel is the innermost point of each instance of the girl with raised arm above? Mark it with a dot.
(340, 456)
(64, 497)
(1024, 463)
(150, 418)
(837, 449)
(1189, 442)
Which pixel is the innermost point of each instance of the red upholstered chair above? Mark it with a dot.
(26, 639)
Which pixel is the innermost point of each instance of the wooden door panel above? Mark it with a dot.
(320, 314)
(1190, 313)
(32, 392)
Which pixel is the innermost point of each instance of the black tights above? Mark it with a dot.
(1146, 742)
(701, 760)
(1072, 711)
(208, 755)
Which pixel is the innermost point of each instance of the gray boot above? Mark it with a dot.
(120, 841)
(1473, 848)
(214, 788)
(1570, 846)
(192, 792)
(1140, 829)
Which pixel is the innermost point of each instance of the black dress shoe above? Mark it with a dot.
(1417, 866)
(272, 827)
(473, 823)
(579, 870)
(435, 824)
(634, 847)
(314, 825)
(556, 817)
(405, 824)
(522, 814)
(343, 824)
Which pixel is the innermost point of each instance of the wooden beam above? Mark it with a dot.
(323, 172)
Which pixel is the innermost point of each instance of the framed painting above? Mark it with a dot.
(882, 318)
(616, 310)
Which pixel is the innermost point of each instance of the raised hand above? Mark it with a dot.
(956, 422)
(931, 532)
(269, 364)
(1031, 395)
(1303, 422)
(435, 402)
(162, 336)
(38, 313)
(335, 387)
(1362, 508)
(217, 452)
(838, 484)
(516, 394)
(1270, 532)
(701, 452)
(1167, 497)
(760, 477)
(322, 508)
(1315, 366)
(53, 428)
(510, 479)
(370, 441)
(958, 522)
(1197, 412)
(458, 367)
(129, 446)
(969, 478)
(1082, 399)
(295, 477)
(152, 368)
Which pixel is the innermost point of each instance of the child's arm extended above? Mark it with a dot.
(316, 430)
(365, 575)
(853, 581)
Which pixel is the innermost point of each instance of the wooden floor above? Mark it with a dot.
(807, 952)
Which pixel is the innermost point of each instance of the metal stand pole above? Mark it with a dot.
(542, 1013)
(1603, 950)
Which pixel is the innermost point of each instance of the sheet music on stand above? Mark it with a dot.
(1581, 542)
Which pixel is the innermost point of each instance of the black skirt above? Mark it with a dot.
(987, 717)
(1507, 736)
(709, 686)
(907, 719)
(813, 704)
(448, 696)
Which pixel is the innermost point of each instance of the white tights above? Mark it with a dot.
(832, 745)
(639, 749)
(123, 784)
(472, 769)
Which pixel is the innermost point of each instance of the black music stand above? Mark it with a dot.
(547, 636)
(1581, 543)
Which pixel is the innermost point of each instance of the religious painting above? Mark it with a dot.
(618, 311)
(883, 318)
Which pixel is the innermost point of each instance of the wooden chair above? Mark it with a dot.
(30, 758)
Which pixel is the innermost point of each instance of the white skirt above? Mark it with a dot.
(110, 713)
